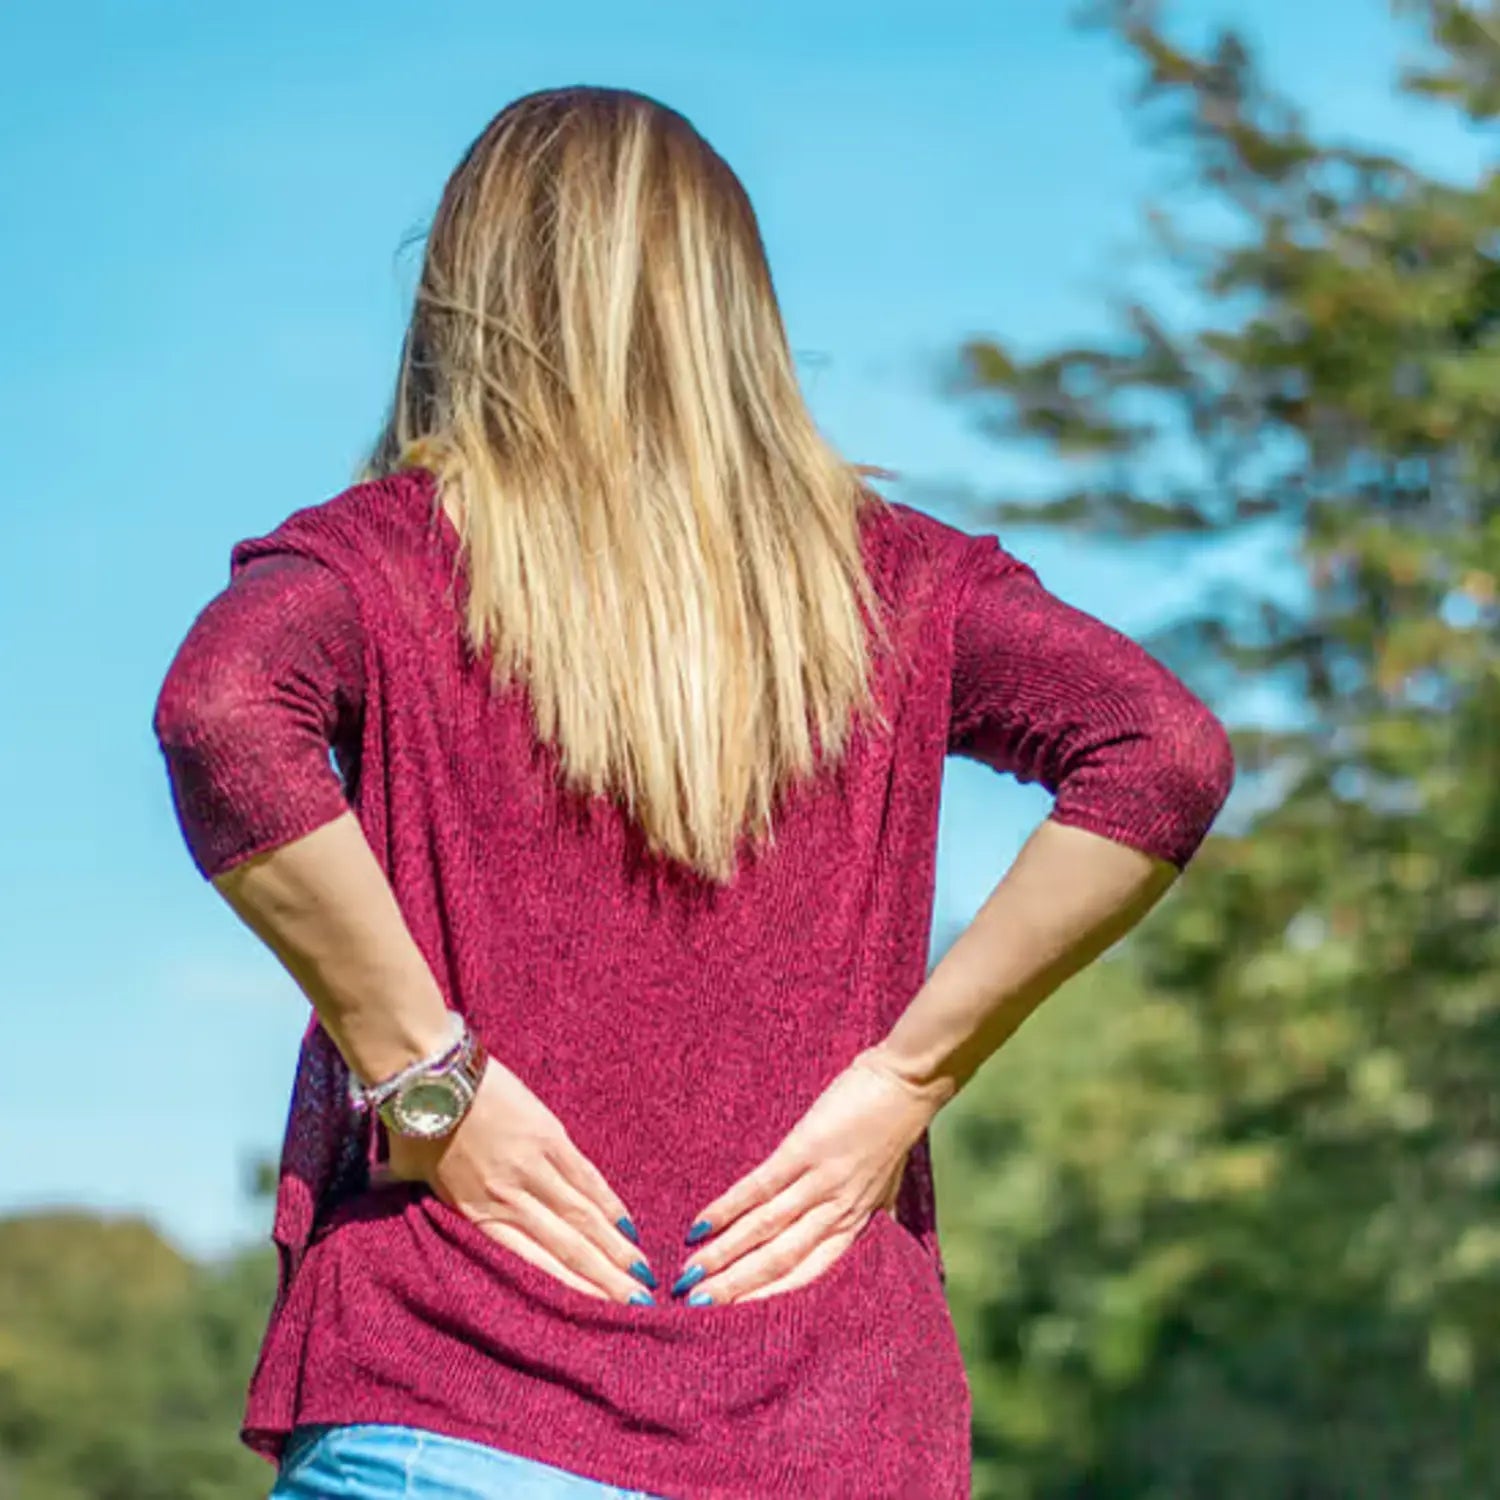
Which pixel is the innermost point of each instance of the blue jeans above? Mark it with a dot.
(378, 1461)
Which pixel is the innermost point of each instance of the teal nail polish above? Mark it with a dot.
(642, 1299)
(642, 1272)
(628, 1230)
(690, 1277)
(699, 1299)
(700, 1231)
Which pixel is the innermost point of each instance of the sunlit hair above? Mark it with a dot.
(658, 540)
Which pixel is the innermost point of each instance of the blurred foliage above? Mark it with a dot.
(1224, 1220)
(1253, 1250)
(123, 1365)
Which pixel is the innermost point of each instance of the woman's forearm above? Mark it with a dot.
(1069, 896)
(270, 675)
(324, 907)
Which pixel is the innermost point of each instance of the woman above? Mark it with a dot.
(606, 1170)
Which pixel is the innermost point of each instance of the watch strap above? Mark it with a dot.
(466, 1065)
(371, 1096)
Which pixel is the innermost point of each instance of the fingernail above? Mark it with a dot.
(642, 1299)
(628, 1229)
(699, 1299)
(700, 1231)
(642, 1272)
(690, 1277)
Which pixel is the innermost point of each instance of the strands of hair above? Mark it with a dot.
(658, 540)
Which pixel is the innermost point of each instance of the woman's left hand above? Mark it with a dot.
(786, 1222)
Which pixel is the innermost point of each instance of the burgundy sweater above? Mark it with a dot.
(676, 1030)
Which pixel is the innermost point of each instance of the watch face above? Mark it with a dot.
(429, 1107)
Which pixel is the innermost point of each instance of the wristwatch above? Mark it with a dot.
(429, 1100)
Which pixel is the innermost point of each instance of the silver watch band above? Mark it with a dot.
(371, 1096)
(449, 1089)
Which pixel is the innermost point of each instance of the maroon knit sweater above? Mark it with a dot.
(677, 1031)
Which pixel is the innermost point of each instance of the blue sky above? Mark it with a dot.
(203, 299)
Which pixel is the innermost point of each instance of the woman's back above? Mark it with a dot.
(677, 1026)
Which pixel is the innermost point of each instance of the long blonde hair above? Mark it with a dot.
(658, 540)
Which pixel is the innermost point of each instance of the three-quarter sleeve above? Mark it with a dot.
(1052, 695)
(268, 681)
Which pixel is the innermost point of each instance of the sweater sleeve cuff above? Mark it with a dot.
(222, 829)
(1173, 842)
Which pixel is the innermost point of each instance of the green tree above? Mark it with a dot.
(123, 1364)
(1255, 1251)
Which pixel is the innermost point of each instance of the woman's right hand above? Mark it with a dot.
(511, 1169)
